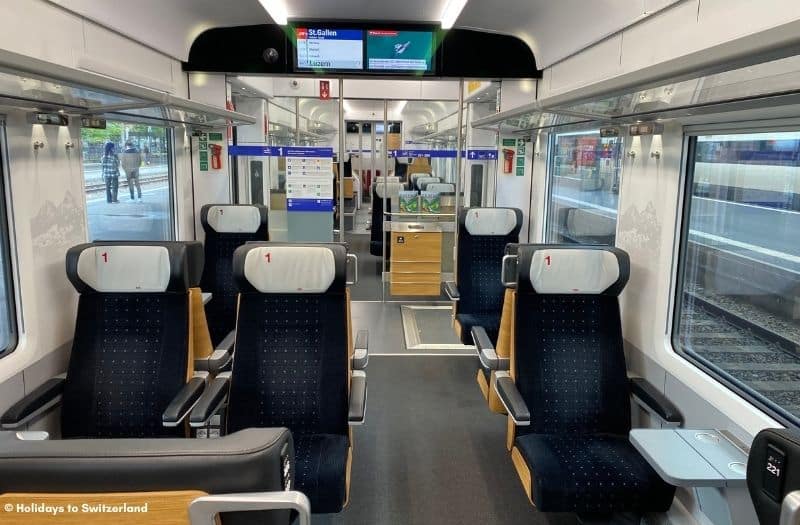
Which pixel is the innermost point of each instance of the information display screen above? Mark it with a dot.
(392, 50)
(325, 48)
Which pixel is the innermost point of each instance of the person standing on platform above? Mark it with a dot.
(109, 166)
(131, 162)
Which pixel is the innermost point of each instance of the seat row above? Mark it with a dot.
(545, 322)
(140, 378)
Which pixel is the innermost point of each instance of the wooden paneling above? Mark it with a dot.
(416, 267)
(164, 508)
(416, 263)
(417, 247)
(414, 289)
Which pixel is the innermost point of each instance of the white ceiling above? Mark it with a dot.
(554, 29)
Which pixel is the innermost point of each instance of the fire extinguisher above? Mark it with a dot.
(216, 156)
(508, 158)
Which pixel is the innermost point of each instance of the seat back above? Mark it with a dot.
(227, 226)
(422, 182)
(482, 237)
(133, 336)
(567, 356)
(291, 367)
(441, 187)
(166, 474)
(773, 478)
(392, 192)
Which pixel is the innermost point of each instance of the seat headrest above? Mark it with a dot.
(391, 190)
(135, 267)
(233, 218)
(441, 187)
(572, 269)
(491, 221)
(284, 268)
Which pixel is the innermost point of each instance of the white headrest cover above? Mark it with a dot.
(290, 269)
(234, 219)
(392, 190)
(441, 187)
(490, 221)
(125, 268)
(573, 271)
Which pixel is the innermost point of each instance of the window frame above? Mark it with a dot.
(742, 390)
(172, 204)
(549, 182)
(8, 247)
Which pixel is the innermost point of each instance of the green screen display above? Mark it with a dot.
(389, 50)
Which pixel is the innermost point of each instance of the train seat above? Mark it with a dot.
(296, 364)
(377, 237)
(567, 392)
(422, 182)
(773, 478)
(245, 478)
(131, 369)
(226, 226)
(442, 187)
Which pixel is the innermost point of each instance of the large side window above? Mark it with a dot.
(738, 304)
(128, 179)
(8, 316)
(585, 173)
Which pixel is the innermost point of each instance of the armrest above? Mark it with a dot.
(209, 403)
(486, 352)
(182, 403)
(357, 412)
(204, 509)
(512, 399)
(451, 289)
(361, 350)
(36, 404)
(654, 402)
(220, 357)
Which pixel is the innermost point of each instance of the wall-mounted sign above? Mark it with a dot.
(324, 89)
(609, 132)
(210, 147)
(48, 119)
(645, 128)
(514, 156)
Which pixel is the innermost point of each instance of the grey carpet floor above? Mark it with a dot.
(431, 452)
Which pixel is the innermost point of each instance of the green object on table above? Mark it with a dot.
(431, 202)
(409, 202)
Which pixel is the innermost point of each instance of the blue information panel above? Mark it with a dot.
(309, 204)
(430, 153)
(279, 151)
(480, 154)
(326, 48)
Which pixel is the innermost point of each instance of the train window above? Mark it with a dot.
(127, 182)
(584, 188)
(8, 325)
(738, 305)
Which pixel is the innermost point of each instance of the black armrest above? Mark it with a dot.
(451, 289)
(218, 359)
(361, 350)
(43, 399)
(512, 399)
(652, 400)
(212, 399)
(182, 403)
(357, 411)
(486, 352)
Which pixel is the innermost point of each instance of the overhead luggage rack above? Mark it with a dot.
(767, 80)
(36, 85)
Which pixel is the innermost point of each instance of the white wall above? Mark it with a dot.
(48, 211)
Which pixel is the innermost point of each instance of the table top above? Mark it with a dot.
(692, 458)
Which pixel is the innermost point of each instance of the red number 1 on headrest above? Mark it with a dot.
(547, 259)
(104, 255)
(268, 257)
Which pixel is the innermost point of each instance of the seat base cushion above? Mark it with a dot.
(591, 474)
(490, 322)
(321, 470)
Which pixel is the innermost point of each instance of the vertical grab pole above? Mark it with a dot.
(385, 194)
(459, 138)
(342, 131)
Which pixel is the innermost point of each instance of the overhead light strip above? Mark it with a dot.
(276, 10)
(451, 12)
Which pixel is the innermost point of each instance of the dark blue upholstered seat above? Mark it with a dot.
(570, 370)
(226, 226)
(130, 354)
(291, 368)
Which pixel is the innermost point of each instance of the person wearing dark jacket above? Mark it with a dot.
(109, 166)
